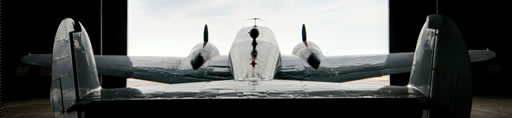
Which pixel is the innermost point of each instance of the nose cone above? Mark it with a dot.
(254, 33)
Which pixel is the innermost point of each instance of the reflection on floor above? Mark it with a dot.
(483, 107)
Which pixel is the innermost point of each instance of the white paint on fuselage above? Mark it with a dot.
(267, 60)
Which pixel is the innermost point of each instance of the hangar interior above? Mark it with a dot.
(29, 27)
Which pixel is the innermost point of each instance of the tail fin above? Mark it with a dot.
(74, 71)
(441, 68)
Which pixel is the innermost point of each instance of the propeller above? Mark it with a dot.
(304, 37)
(256, 19)
(205, 35)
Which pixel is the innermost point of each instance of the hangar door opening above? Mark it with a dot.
(339, 27)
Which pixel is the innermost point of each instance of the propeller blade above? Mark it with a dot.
(304, 37)
(205, 34)
(256, 19)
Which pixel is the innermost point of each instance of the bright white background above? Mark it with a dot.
(339, 27)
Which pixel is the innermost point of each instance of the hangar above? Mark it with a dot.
(29, 28)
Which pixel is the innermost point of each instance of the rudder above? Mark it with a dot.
(441, 68)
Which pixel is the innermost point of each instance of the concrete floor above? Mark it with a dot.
(491, 107)
(27, 108)
(483, 106)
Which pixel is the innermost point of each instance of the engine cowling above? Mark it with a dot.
(201, 53)
(309, 52)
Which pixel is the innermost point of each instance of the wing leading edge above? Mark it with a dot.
(159, 69)
(348, 68)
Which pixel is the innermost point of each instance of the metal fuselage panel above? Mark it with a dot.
(266, 60)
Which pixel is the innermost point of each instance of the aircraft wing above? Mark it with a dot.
(175, 70)
(348, 68)
(159, 69)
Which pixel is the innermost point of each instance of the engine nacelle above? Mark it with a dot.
(201, 53)
(310, 53)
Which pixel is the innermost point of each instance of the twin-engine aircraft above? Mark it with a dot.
(255, 69)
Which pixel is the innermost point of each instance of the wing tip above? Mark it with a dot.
(489, 54)
(37, 59)
(481, 55)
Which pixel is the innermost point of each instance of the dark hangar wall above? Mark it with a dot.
(30, 26)
(483, 25)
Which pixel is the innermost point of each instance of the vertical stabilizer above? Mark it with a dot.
(74, 71)
(441, 68)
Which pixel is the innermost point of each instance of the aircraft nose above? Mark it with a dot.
(254, 33)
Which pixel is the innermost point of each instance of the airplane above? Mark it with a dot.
(255, 69)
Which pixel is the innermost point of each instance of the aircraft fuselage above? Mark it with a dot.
(254, 54)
